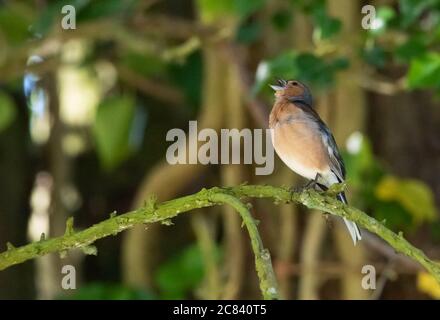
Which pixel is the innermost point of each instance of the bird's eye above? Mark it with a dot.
(294, 83)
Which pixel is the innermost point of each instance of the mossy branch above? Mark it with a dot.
(152, 212)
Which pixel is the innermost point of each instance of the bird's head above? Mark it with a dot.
(293, 91)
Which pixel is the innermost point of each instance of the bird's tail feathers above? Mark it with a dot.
(354, 231)
(352, 227)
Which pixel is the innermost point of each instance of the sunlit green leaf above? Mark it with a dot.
(384, 19)
(386, 13)
(428, 284)
(111, 130)
(415, 196)
(424, 71)
(213, 9)
(14, 22)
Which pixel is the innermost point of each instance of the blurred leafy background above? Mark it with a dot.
(84, 114)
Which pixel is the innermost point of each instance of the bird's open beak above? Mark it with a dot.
(281, 85)
(276, 88)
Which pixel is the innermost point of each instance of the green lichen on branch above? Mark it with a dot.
(263, 264)
(158, 212)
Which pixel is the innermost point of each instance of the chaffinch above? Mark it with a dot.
(303, 141)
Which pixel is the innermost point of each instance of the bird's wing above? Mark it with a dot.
(336, 162)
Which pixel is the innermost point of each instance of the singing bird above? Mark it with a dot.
(304, 142)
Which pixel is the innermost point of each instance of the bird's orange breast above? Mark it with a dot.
(298, 142)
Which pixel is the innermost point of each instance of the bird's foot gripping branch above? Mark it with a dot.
(235, 197)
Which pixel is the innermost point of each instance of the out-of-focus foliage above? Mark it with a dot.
(416, 29)
(239, 8)
(305, 66)
(424, 71)
(188, 77)
(400, 203)
(414, 196)
(180, 274)
(7, 111)
(105, 291)
(86, 10)
(15, 19)
(112, 130)
(427, 284)
(317, 70)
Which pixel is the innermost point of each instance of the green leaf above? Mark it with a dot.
(314, 69)
(281, 66)
(103, 8)
(15, 19)
(428, 284)
(326, 26)
(181, 273)
(394, 215)
(52, 13)
(411, 10)
(302, 66)
(375, 56)
(7, 111)
(359, 157)
(384, 18)
(188, 76)
(111, 130)
(106, 291)
(248, 33)
(144, 64)
(245, 8)
(424, 71)
(282, 19)
(414, 47)
(363, 170)
(85, 10)
(386, 13)
(210, 10)
(413, 195)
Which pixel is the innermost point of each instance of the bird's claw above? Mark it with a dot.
(312, 184)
